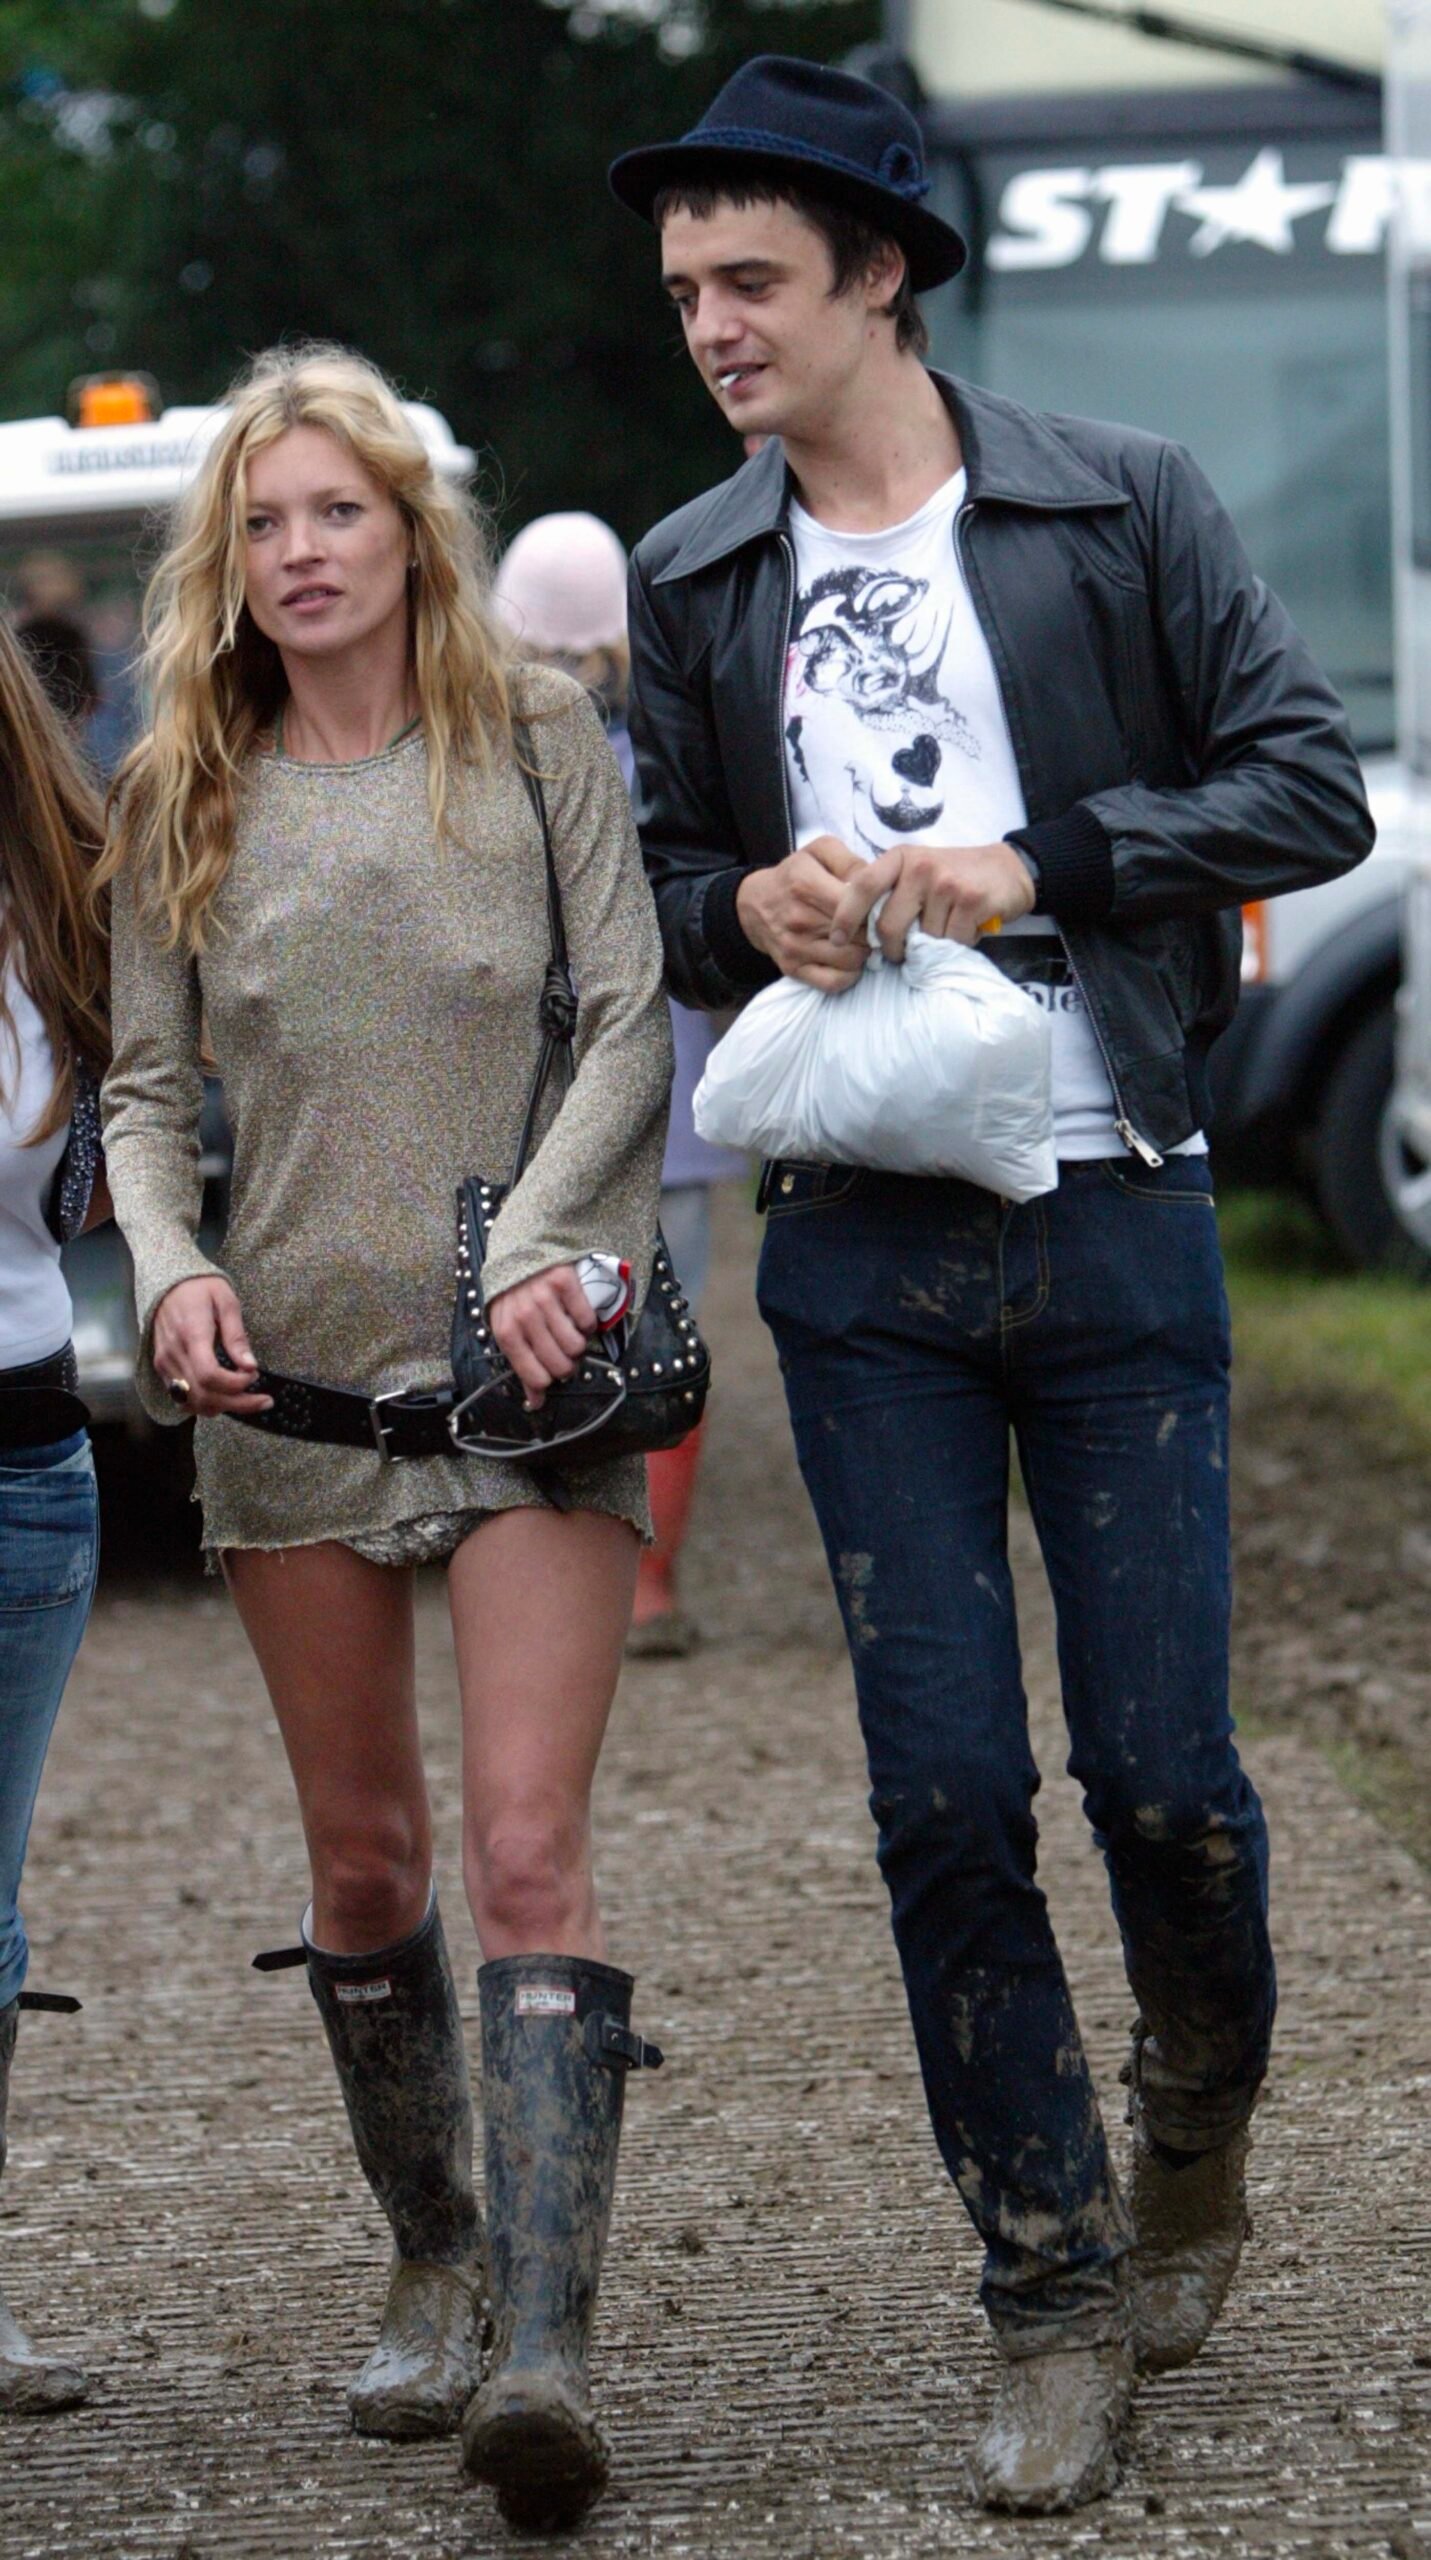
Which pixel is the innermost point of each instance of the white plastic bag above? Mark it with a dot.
(939, 1066)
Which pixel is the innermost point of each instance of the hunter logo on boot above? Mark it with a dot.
(364, 1990)
(545, 2000)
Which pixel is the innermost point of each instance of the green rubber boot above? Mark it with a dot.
(30, 2383)
(395, 2034)
(556, 2048)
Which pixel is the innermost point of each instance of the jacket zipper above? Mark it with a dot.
(768, 1169)
(788, 549)
(1135, 1143)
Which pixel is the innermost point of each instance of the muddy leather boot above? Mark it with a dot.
(30, 2383)
(1190, 2213)
(1051, 2440)
(556, 2048)
(393, 2027)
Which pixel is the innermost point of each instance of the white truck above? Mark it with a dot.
(83, 510)
(1191, 237)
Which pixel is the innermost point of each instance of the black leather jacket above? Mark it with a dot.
(1178, 749)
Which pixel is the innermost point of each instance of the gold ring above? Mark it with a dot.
(179, 1390)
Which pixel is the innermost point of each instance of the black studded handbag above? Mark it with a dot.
(78, 1169)
(642, 1382)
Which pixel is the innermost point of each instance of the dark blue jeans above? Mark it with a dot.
(917, 1322)
(49, 1554)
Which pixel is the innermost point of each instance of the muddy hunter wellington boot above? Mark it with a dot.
(1051, 2440)
(556, 2048)
(393, 2027)
(30, 2383)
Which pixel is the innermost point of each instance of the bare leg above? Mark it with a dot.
(334, 1639)
(540, 1603)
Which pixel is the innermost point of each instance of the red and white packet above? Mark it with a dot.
(606, 1281)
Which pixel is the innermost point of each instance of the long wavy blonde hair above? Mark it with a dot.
(51, 831)
(215, 683)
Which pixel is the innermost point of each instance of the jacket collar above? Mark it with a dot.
(1012, 456)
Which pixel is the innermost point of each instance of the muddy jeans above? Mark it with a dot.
(916, 1322)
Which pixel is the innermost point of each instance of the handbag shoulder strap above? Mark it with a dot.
(532, 785)
(556, 1006)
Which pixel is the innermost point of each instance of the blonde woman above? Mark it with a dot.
(54, 1040)
(325, 848)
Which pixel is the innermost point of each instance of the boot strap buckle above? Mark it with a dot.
(279, 1959)
(618, 2047)
(62, 2003)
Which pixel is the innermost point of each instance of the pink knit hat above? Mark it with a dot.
(561, 586)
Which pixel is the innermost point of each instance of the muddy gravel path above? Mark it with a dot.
(1333, 1625)
(790, 2355)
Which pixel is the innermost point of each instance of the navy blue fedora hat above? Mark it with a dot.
(843, 139)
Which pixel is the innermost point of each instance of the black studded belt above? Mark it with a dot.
(408, 1422)
(40, 1402)
(411, 1422)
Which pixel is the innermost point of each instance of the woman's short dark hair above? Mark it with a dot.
(855, 245)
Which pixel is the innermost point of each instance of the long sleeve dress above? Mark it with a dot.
(370, 992)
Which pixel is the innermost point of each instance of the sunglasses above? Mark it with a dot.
(496, 1421)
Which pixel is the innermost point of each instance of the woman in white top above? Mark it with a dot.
(54, 1039)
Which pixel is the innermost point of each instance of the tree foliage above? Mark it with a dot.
(182, 182)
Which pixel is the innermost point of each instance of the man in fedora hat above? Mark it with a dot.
(1013, 675)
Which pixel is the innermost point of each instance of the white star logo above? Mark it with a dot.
(1260, 209)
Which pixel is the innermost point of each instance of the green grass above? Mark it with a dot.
(1307, 1322)
(1386, 1783)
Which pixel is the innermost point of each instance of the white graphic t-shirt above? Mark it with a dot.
(895, 733)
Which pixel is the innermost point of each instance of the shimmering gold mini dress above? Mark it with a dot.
(370, 991)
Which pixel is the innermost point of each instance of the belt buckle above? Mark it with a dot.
(415, 1402)
(377, 1426)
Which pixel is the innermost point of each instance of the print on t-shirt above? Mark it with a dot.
(870, 644)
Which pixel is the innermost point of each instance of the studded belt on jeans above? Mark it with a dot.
(40, 1402)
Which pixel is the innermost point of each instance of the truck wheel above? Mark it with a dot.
(1349, 1158)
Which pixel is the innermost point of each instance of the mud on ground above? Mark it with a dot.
(790, 2355)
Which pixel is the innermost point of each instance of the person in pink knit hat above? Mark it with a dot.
(561, 589)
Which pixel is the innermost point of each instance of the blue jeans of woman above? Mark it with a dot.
(918, 1323)
(49, 1554)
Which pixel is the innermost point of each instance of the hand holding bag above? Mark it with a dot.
(937, 1066)
(641, 1383)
